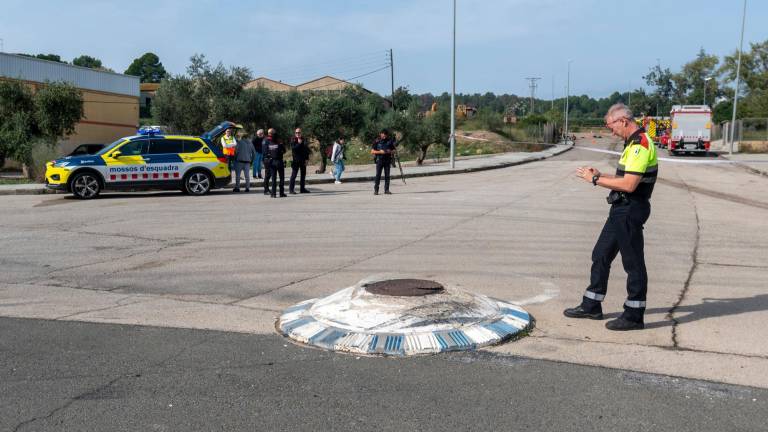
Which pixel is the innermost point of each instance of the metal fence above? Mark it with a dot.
(749, 134)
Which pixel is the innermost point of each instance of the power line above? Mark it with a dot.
(341, 61)
(350, 79)
(351, 70)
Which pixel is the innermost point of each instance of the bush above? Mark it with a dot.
(42, 152)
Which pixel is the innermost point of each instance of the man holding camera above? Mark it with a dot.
(631, 189)
(382, 150)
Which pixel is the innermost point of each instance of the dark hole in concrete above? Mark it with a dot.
(404, 287)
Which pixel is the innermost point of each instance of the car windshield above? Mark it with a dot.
(110, 147)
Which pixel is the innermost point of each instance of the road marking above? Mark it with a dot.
(700, 162)
(550, 291)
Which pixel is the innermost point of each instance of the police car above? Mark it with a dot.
(149, 160)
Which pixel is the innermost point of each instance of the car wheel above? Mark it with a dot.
(198, 183)
(86, 186)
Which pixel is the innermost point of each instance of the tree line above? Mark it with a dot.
(687, 86)
(205, 95)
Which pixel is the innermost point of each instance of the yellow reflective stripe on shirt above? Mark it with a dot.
(638, 159)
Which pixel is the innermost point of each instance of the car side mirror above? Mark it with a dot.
(116, 154)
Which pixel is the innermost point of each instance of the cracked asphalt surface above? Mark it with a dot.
(129, 284)
(65, 376)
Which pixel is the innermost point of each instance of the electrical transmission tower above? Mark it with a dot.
(532, 84)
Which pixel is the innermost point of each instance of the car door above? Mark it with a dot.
(125, 163)
(164, 163)
(194, 152)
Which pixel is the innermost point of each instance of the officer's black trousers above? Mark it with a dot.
(277, 169)
(622, 232)
(298, 168)
(267, 174)
(384, 165)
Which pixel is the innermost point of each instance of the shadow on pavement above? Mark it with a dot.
(709, 308)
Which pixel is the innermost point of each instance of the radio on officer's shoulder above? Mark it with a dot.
(616, 197)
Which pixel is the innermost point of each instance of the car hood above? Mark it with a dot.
(82, 160)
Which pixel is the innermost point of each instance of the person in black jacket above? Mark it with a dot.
(244, 154)
(273, 152)
(382, 150)
(300, 157)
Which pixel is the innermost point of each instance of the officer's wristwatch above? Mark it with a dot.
(595, 178)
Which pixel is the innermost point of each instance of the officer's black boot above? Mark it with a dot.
(580, 311)
(624, 324)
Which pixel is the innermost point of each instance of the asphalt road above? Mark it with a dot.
(64, 376)
(156, 311)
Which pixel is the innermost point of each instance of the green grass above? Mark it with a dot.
(359, 153)
(13, 181)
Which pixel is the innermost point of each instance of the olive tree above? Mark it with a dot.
(30, 119)
(202, 98)
(331, 116)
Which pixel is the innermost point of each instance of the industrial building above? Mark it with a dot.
(111, 100)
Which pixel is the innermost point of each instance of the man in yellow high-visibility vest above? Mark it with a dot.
(631, 188)
(228, 144)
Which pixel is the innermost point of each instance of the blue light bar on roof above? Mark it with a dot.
(149, 130)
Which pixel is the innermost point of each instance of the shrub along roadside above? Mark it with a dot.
(36, 120)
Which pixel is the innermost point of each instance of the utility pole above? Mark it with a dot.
(629, 95)
(453, 93)
(738, 71)
(533, 85)
(392, 76)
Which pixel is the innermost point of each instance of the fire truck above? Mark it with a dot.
(656, 127)
(691, 127)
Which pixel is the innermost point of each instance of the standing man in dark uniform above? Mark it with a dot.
(273, 153)
(631, 188)
(382, 150)
(299, 159)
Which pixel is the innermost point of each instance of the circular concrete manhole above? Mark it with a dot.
(399, 317)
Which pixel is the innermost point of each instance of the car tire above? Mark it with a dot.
(198, 183)
(86, 185)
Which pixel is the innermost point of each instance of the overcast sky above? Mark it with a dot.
(499, 42)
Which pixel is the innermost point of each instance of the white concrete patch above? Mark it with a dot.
(358, 321)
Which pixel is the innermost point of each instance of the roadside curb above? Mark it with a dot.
(746, 166)
(560, 149)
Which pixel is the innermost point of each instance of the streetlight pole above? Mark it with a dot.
(453, 93)
(738, 71)
(658, 65)
(567, 94)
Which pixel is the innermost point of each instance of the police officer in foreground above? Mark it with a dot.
(382, 150)
(631, 189)
(273, 152)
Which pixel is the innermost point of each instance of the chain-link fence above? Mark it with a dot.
(750, 135)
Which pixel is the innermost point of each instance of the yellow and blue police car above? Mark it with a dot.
(148, 160)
